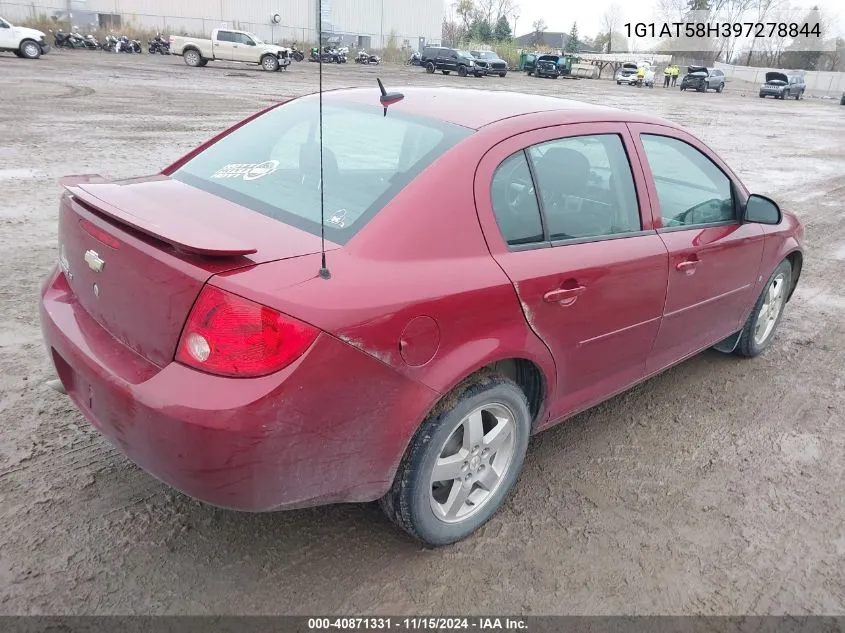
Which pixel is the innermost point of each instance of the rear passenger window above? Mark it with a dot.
(515, 203)
(586, 187)
(225, 36)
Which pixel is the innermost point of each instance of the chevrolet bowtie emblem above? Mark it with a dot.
(94, 261)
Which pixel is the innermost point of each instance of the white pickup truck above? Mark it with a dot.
(230, 46)
(22, 41)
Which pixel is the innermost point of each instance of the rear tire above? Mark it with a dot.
(193, 58)
(759, 330)
(270, 63)
(429, 68)
(30, 49)
(479, 465)
(720, 88)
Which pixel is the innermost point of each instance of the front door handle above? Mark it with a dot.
(688, 265)
(564, 296)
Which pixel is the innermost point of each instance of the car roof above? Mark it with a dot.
(475, 108)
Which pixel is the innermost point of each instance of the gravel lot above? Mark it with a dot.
(715, 488)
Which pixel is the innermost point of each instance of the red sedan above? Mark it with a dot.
(494, 264)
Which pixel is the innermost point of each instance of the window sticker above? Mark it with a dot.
(246, 171)
(339, 218)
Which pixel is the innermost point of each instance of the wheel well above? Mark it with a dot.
(796, 259)
(525, 374)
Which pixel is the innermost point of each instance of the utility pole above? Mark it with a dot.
(69, 16)
(515, 18)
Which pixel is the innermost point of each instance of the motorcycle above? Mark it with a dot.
(109, 44)
(158, 45)
(364, 58)
(91, 42)
(296, 54)
(414, 60)
(125, 45)
(62, 39)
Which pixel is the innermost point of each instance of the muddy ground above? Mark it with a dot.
(715, 488)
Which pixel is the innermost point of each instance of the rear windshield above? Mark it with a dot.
(272, 164)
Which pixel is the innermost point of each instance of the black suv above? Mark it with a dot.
(447, 60)
(490, 63)
(783, 86)
(703, 79)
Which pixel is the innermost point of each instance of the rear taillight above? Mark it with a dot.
(228, 335)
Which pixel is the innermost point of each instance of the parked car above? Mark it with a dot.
(231, 46)
(783, 86)
(195, 320)
(546, 66)
(703, 79)
(448, 60)
(490, 63)
(627, 74)
(21, 41)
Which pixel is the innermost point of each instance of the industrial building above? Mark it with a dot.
(361, 23)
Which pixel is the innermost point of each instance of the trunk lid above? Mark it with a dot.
(137, 253)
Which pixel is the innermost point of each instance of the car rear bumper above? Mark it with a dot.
(331, 427)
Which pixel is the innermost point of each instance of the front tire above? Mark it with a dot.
(429, 68)
(720, 88)
(462, 71)
(270, 63)
(758, 331)
(30, 49)
(462, 462)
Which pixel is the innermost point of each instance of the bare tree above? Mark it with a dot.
(762, 9)
(610, 21)
(539, 27)
(450, 32)
(493, 10)
(465, 9)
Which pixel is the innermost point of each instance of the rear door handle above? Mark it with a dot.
(563, 295)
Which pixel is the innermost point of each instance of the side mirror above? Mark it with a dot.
(762, 210)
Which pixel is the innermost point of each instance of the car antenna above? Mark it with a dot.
(388, 99)
(324, 271)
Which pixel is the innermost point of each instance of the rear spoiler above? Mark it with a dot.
(161, 224)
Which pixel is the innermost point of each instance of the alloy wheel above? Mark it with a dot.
(770, 310)
(473, 462)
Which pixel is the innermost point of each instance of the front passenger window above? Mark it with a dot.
(691, 189)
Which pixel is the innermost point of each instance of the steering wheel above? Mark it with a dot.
(513, 197)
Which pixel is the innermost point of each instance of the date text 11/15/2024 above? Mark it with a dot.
(418, 624)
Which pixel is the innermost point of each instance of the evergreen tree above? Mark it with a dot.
(502, 32)
(573, 44)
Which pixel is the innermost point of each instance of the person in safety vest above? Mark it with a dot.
(667, 76)
(675, 72)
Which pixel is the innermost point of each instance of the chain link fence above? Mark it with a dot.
(52, 14)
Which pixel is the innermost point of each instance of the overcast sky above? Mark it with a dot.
(560, 15)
